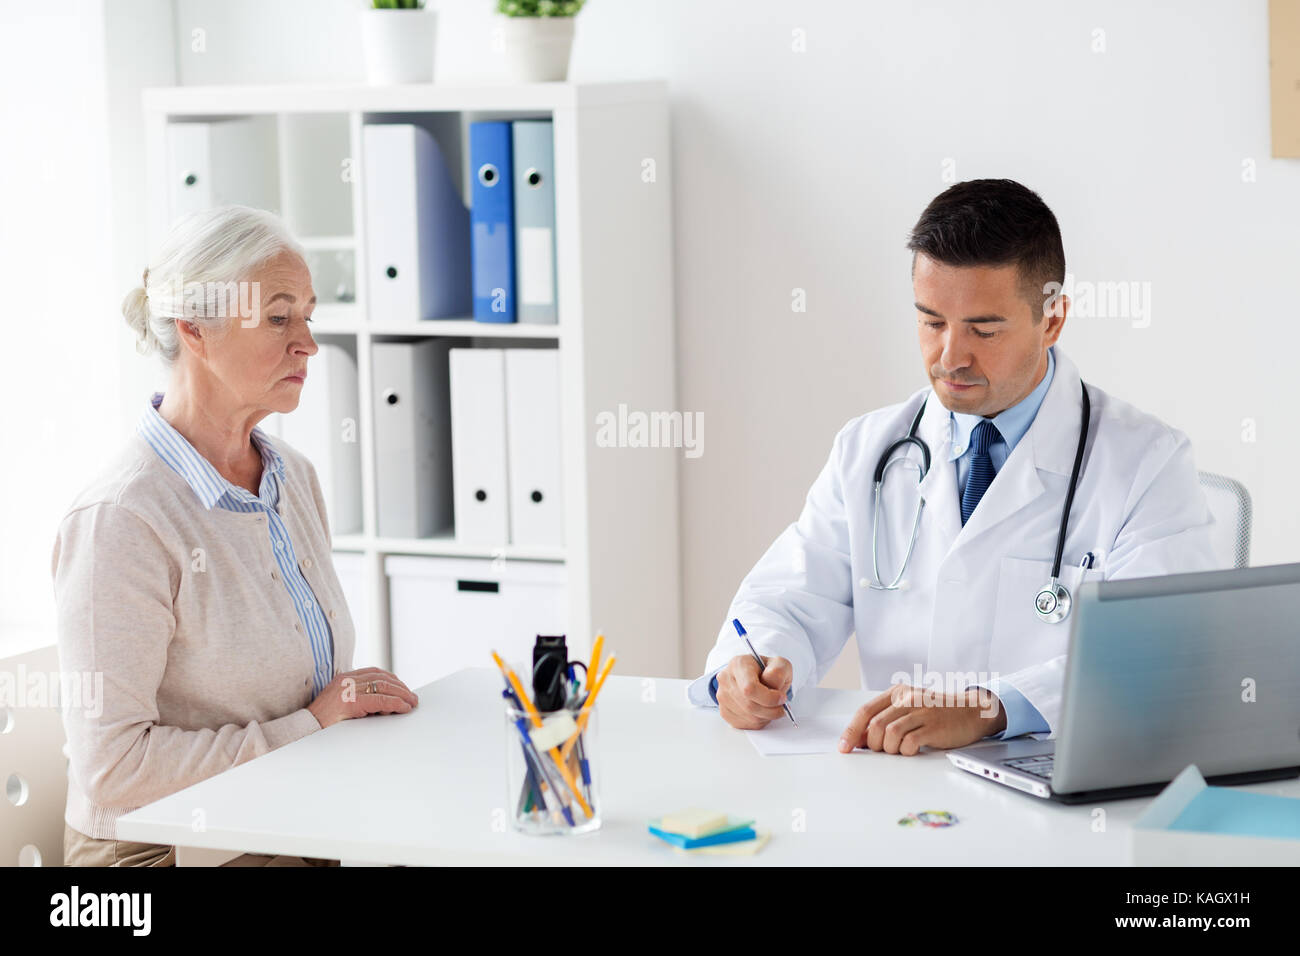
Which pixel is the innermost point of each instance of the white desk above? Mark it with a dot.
(428, 787)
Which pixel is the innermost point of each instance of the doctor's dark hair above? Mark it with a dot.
(994, 222)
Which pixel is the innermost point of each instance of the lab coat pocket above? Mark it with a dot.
(1020, 638)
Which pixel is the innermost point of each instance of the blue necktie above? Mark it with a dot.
(981, 471)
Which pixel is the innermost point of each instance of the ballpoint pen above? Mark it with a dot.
(745, 637)
(533, 759)
(533, 795)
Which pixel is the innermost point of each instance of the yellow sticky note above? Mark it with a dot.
(744, 848)
(694, 822)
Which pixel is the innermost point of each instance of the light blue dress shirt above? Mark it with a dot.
(212, 489)
(1022, 716)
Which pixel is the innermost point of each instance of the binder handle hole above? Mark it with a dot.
(390, 397)
(534, 178)
(191, 179)
(391, 272)
(536, 496)
(480, 495)
(487, 174)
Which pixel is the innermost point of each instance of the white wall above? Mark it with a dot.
(53, 377)
(806, 169)
(70, 75)
(140, 50)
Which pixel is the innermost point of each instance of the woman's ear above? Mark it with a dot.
(190, 335)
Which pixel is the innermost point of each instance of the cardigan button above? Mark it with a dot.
(275, 575)
(306, 563)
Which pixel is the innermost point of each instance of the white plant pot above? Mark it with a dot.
(535, 49)
(399, 45)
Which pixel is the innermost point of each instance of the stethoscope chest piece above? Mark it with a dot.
(1052, 603)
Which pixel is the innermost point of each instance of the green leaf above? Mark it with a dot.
(539, 8)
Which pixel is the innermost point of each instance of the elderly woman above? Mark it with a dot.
(194, 573)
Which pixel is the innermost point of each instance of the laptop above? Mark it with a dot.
(1200, 668)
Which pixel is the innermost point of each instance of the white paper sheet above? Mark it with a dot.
(818, 734)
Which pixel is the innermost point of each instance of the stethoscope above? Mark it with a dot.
(1052, 603)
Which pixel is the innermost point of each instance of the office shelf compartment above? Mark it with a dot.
(317, 167)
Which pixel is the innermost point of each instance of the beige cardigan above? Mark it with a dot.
(181, 610)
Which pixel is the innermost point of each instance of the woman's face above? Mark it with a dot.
(262, 359)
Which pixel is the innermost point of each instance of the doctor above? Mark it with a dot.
(968, 632)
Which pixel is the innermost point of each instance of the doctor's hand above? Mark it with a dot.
(749, 700)
(904, 718)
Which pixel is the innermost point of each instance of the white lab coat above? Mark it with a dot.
(966, 611)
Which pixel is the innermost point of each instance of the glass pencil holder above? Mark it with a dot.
(551, 779)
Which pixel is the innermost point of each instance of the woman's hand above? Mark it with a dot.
(361, 693)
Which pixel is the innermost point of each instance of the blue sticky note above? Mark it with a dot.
(1239, 813)
(716, 839)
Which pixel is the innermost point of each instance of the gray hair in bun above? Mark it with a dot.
(202, 260)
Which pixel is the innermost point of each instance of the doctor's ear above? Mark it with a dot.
(1055, 308)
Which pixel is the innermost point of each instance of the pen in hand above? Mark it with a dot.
(759, 660)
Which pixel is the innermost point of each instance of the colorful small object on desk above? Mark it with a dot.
(935, 819)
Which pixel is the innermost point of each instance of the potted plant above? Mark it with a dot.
(536, 38)
(398, 38)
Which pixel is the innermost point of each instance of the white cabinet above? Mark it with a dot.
(450, 613)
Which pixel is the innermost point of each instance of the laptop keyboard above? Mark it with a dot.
(1040, 766)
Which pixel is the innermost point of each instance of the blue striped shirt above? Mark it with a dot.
(213, 489)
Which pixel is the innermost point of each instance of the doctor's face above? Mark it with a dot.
(982, 349)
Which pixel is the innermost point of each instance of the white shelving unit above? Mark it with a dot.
(614, 334)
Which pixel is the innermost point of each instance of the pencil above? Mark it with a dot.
(586, 708)
(594, 667)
